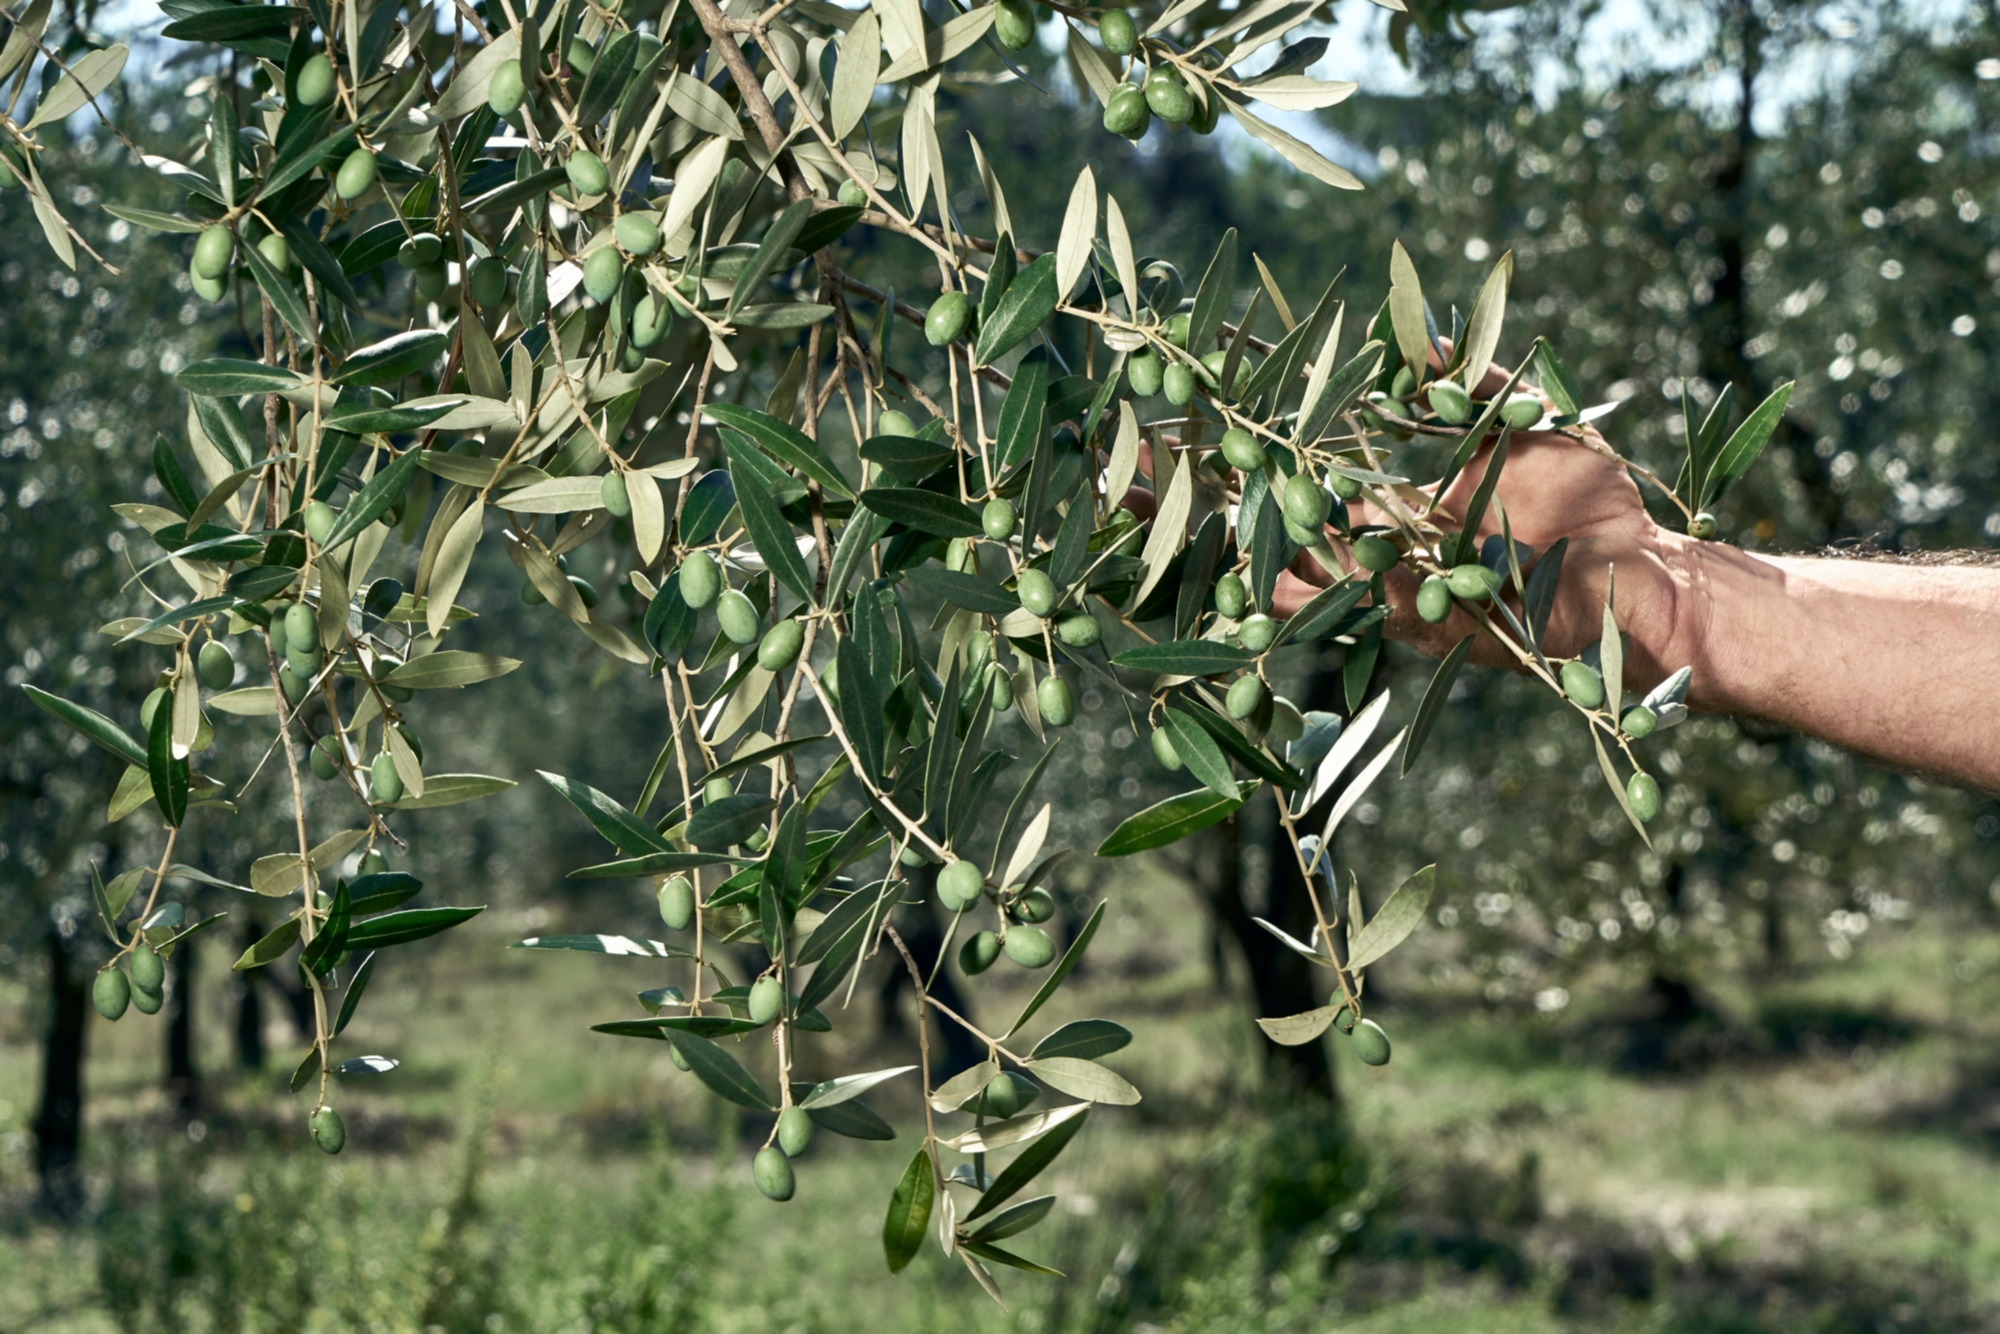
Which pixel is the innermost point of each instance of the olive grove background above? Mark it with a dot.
(1744, 1082)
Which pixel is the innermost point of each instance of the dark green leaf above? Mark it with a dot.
(1086, 1039)
(1325, 611)
(278, 289)
(1071, 957)
(1198, 750)
(769, 529)
(624, 830)
(1185, 657)
(225, 428)
(1482, 495)
(860, 703)
(1557, 382)
(1540, 598)
(1746, 443)
(1342, 387)
(721, 1071)
(910, 1211)
(362, 973)
(1030, 299)
(317, 260)
(331, 938)
(1172, 820)
(299, 157)
(1359, 666)
(1014, 1219)
(771, 252)
(1023, 410)
(400, 928)
(783, 442)
(724, 823)
(1433, 702)
(969, 591)
(373, 500)
(367, 418)
(663, 1028)
(93, 725)
(169, 775)
(1027, 1165)
(228, 377)
(274, 946)
(393, 358)
(1231, 738)
(925, 511)
(1212, 298)
(826, 227)
(380, 892)
(853, 1118)
(708, 503)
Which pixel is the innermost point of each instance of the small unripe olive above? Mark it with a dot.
(1163, 750)
(148, 972)
(1143, 372)
(1702, 527)
(1642, 794)
(1000, 687)
(1378, 555)
(587, 175)
(1583, 684)
(700, 580)
(1056, 701)
(328, 1130)
(208, 289)
(960, 884)
(998, 519)
(1178, 384)
(216, 666)
(1245, 694)
(780, 646)
(532, 595)
(420, 250)
(507, 89)
(603, 270)
(384, 783)
(652, 319)
(1639, 721)
(737, 616)
(1434, 598)
(1079, 631)
(614, 496)
(1371, 1044)
(1473, 582)
(948, 318)
(1521, 411)
(892, 422)
(1242, 450)
(1029, 946)
(852, 195)
(1168, 96)
(431, 280)
(1036, 905)
(1344, 488)
(1000, 1098)
(1258, 632)
(795, 1131)
(277, 252)
(295, 684)
(1127, 113)
(766, 999)
(772, 1172)
(1214, 363)
(715, 789)
(325, 765)
(1014, 24)
(637, 234)
(581, 56)
(1404, 383)
(315, 81)
(1451, 403)
(111, 993)
(213, 250)
(1177, 329)
(677, 902)
(978, 953)
(1231, 597)
(1306, 502)
(1117, 31)
(356, 174)
(320, 518)
(1387, 407)
(1037, 592)
(488, 281)
(585, 590)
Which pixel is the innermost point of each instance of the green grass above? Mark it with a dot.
(1813, 1171)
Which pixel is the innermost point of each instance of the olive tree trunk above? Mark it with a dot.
(59, 1121)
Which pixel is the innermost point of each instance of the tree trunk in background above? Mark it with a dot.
(59, 1123)
(183, 1075)
(249, 1008)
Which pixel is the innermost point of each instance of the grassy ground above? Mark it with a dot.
(1821, 1158)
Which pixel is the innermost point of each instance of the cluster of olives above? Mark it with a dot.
(961, 885)
(1395, 410)
(141, 982)
(1150, 373)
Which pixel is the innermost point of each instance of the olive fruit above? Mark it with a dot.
(1639, 721)
(277, 252)
(737, 616)
(958, 555)
(1168, 96)
(1117, 31)
(978, 954)
(295, 684)
(301, 626)
(1127, 113)
(1386, 406)
(1000, 688)
(356, 174)
(997, 519)
(1343, 487)
(148, 972)
(852, 195)
(603, 270)
(1037, 592)
(1231, 597)
(213, 250)
(1144, 371)
(1036, 905)
(780, 646)
(960, 884)
(1080, 630)
(1583, 684)
(1403, 384)
(587, 175)
(314, 83)
(1245, 694)
(1258, 632)
(1177, 329)
(1375, 554)
(614, 496)
(1178, 384)
(1451, 404)
(431, 281)
(677, 902)
(1014, 24)
(795, 1131)
(1056, 701)
(581, 56)
(1434, 598)
(772, 1172)
(1000, 1098)
(147, 1002)
(420, 250)
(948, 318)
(1473, 582)
(111, 993)
(303, 659)
(700, 580)
(208, 289)
(215, 665)
(1242, 450)
(324, 766)
(486, 281)
(320, 518)
(1521, 411)
(637, 234)
(1215, 362)
(506, 90)
(1642, 794)
(1029, 946)
(1702, 527)
(1371, 1044)
(384, 782)
(1305, 502)
(652, 318)
(766, 999)
(892, 422)
(328, 1130)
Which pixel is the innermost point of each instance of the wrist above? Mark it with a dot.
(1724, 619)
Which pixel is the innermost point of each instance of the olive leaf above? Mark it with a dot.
(909, 1215)
(721, 1071)
(1296, 1030)
(1394, 920)
(1171, 820)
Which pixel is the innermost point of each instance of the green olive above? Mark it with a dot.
(1639, 721)
(700, 580)
(213, 250)
(1231, 597)
(1037, 592)
(1144, 372)
(1000, 1098)
(892, 422)
(960, 884)
(677, 903)
(1036, 905)
(506, 90)
(1451, 403)
(614, 496)
(978, 953)
(795, 1131)
(1404, 384)
(948, 318)
(314, 83)
(998, 519)
(772, 1171)
(585, 590)
(1521, 411)
(1014, 24)
(1242, 450)
(652, 320)
(780, 646)
(277, 252)
(295, 685)
(1000, 687)
(737, 616)
(1177, 383)
(1178, 328)
(325, 759)
(420, 250)
(149, 973)
(587, 175)
(1080, 630)
(320, 518)
(216, 665)
(1128, 114)
(328, 1130)
(715, 789)
(1258, 632)
(1642, 794)
(1344, 488)
(1375, 554)
(852, 195)
(384, 783)
(1306, 502)
(1029, 946)
(1473, 582)
(1371, 1044)
(603, 270)
(766, 999)
(1583, 683)
(1702, 527)
(1163, 750)
(1168, 96)
(1245, 694)
(356, 174)
(301, 625)
(1434, 599)
(637, 234)
(111, 993)
(1117, 31)
(1056, 701)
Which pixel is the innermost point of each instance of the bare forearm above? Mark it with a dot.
(1900, 662)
